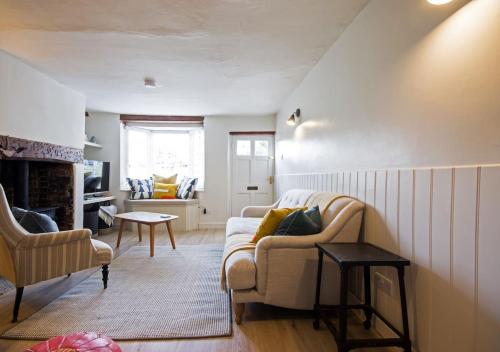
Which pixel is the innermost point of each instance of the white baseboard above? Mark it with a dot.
(212, 225)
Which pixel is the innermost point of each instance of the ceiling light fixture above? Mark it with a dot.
(439, 2)
(150, 82)
(294, 118)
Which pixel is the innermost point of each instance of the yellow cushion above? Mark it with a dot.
(170, 179)
(164, 191)
(271, 221)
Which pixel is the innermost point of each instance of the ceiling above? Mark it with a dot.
(209, 56)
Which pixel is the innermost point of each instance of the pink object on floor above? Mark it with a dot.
(77, 342)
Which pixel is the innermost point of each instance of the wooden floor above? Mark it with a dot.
(264, 328)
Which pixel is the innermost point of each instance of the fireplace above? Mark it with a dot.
(40, 176)
(42, 186)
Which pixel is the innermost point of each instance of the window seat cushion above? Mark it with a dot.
(162, 201)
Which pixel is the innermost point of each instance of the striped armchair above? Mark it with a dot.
(26, 258)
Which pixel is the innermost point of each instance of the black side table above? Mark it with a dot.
(348, 255)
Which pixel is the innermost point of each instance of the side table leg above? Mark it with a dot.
(343, 309)
(368, 300)
(318, 291)
(404, 309)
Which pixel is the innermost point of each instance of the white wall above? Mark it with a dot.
(106, 128)
(410, 85)
(34, 106)
(407, 84)
(217, 128)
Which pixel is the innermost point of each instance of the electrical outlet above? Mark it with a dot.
(383, 283)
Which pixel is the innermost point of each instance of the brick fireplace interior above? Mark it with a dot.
(42, 186)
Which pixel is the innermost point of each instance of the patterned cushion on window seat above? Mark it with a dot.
(186, 188)
(141, 188)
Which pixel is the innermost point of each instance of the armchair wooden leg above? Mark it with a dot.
(19, 296)
(105, 272)
(239, 311)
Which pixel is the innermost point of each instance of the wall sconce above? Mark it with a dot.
(294, 118)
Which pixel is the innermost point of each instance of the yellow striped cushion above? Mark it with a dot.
(164, 191)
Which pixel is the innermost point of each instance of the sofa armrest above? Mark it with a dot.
(50, 239)
(254, 211)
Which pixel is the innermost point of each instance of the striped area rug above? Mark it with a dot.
(176, 294)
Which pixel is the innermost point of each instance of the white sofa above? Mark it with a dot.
(281, 270)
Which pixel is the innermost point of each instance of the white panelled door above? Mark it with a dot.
(252, 171)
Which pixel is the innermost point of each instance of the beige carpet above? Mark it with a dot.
(176, 294)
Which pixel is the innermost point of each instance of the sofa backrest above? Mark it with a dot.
(295, 198)
(330, 205)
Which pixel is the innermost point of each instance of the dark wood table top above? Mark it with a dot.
(361, 254)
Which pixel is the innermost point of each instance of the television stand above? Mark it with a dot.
(91, 205)
(97, 199)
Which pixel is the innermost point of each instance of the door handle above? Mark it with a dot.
(252, 188)
(271, 179)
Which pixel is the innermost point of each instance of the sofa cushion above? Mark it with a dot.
(242, 225)
(300, 223)
(18, 213)
(270, 222)
(141, 189)
(314, 214)
(162, 179)
(164, 191)
(240, 266)
(186, 188)
(38, 223)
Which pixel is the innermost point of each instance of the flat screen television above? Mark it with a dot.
(96, 176)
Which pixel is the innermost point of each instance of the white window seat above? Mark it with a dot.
(186, 209)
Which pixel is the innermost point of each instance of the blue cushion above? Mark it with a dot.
(18, 213)
(298, 223)
(38, 223)
(314, 214)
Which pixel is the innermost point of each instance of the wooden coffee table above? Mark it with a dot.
(146, 218)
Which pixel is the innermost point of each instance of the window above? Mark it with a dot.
(163, 151)
(261, 148)
(243, 148)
